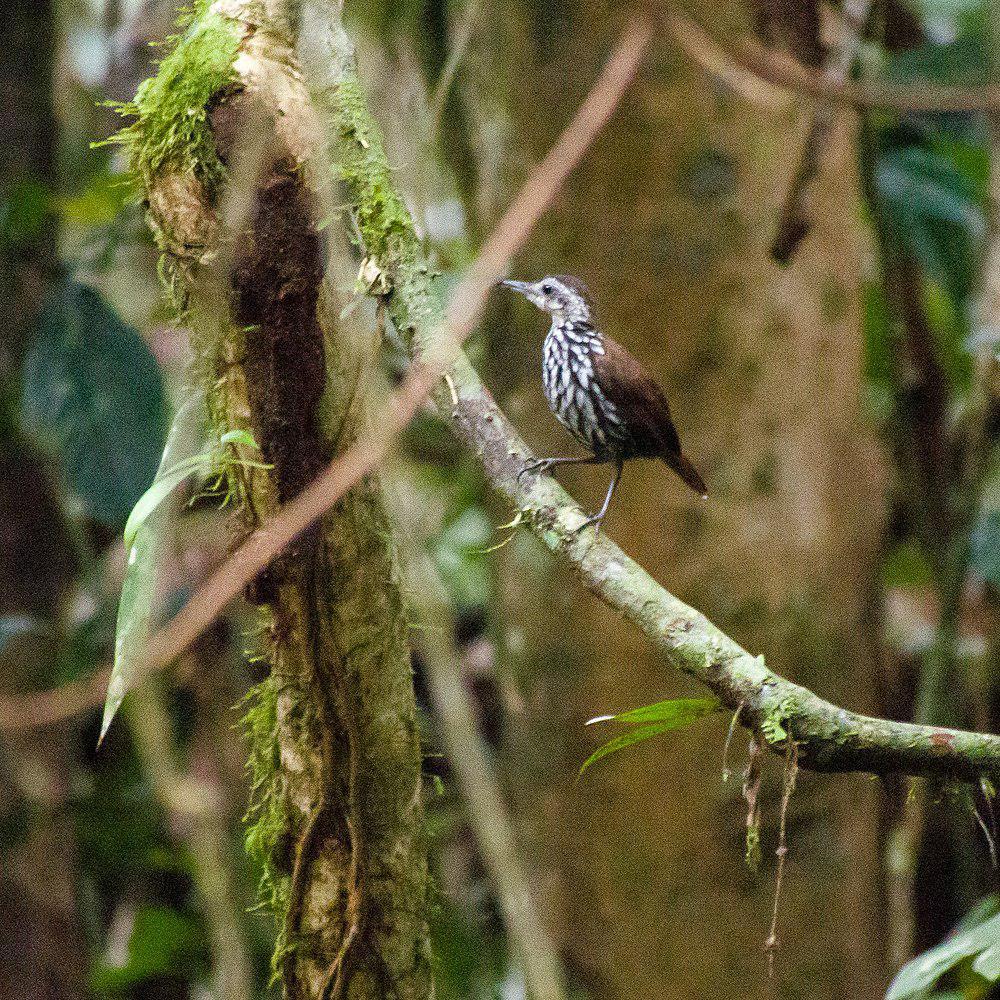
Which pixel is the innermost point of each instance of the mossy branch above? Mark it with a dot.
(827, 737)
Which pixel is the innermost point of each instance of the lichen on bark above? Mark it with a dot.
(337, 817)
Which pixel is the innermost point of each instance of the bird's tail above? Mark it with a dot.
(682, 465)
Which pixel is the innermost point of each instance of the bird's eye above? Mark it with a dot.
(547, 289)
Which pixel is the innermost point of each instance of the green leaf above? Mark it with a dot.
(240, 436)
(924, 182)
(149, 528)
(637, 735)
(651, 720)
(162, 487)
(677, 711)
(163, 942)
(977, 936)
(93, 394)
(460, 558)
(985, 554)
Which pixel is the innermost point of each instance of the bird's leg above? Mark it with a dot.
(543, 466)
(599, 516)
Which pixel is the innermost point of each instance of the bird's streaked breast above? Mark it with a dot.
(571, 387)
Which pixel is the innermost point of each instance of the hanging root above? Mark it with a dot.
(726, 773)
(781, 851)
(751, 792)
(989, 828)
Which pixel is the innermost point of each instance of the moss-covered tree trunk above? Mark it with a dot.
(230, 148)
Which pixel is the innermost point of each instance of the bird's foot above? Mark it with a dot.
(595, 521)
(541, 466)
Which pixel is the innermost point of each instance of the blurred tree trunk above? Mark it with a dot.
(669, 221)
(44, 953)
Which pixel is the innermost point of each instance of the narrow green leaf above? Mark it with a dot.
(651, 720)
(145, 542)
(677, 711)
(626, 740)
(162, 487)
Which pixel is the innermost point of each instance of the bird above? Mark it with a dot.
(600, 393)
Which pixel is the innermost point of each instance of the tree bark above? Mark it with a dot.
(339, 819)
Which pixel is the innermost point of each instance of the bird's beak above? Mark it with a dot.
(518, 286)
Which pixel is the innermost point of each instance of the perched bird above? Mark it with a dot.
(599, 392)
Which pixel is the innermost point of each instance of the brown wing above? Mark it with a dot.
(639, 400)
(643, 407)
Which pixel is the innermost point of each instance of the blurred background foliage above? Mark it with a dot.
(843, 409)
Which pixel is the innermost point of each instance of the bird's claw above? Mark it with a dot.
(536, 465)
(594, 521)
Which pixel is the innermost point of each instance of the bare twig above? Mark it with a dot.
(782, 71)
(751, 794)
(454, 60)
(733, 723)
(794, 218)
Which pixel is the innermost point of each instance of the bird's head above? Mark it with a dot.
(561, 295)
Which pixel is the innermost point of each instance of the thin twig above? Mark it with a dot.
(454, 60)
(776, 68)
(751, 793)
(733, 723)
(794, 218)
(487, 811)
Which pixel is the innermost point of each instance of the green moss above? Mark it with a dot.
(383, 220)
(774, 722)
(171, 127)
(266, 819)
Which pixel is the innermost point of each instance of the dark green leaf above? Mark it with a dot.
(934, 193)
(977, 935)
(963, 62)
(924, 182)
(93, 393)
(986, 545)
